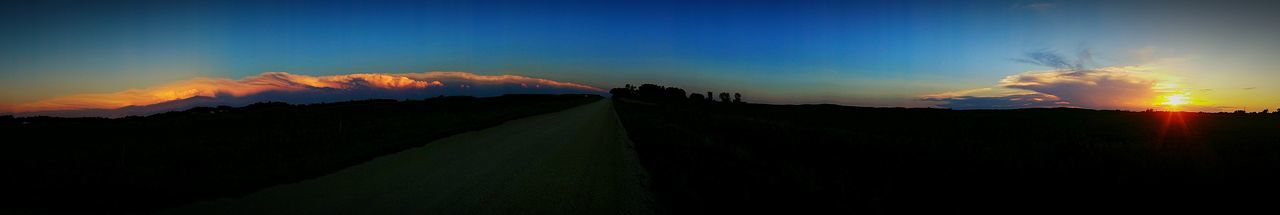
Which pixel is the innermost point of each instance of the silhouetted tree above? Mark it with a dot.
(697, 97)
(621, 92)
(1266, 111)
(673, 93)
(625, 91)
(724, 97)
(737, 98)
(709, 97)
(649, 91)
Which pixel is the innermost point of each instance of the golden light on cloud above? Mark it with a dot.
(277, 82)
(1117, 87)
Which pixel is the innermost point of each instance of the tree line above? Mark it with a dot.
(653, 92)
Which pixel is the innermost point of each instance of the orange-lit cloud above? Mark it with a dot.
(1127, 88)
(1106, 88)
(499, 79)
(278, 82)
(1072, 83)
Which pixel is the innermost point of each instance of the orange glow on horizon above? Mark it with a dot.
(273, 81)
(1176, 102)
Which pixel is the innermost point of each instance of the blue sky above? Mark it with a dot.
(877, 53)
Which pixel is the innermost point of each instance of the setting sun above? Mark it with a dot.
(1176, 100)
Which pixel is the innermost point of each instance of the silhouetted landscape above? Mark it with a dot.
(142, 164)
(193, 107)
(703, 154)
(723, 156)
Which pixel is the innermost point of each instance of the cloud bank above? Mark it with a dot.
(1070, 84)
(295, 88)
(1031, 100)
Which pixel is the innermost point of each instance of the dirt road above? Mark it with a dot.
(575, 161)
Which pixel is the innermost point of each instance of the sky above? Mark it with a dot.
(1133, 55)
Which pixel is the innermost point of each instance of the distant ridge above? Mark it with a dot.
(316, 95)
(290, 88)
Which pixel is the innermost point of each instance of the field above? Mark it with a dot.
(714, 157)
(142, 164)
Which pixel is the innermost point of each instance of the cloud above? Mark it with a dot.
(1052, 59)
(282, 86)
(1070, 84)
(1031, 100)
(1106, 88)
(498, 79)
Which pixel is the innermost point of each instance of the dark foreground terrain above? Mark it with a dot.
(724, 157)
(575, 161)
(702, 157)
(142, 164)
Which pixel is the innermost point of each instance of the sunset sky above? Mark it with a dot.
(1217, 55)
